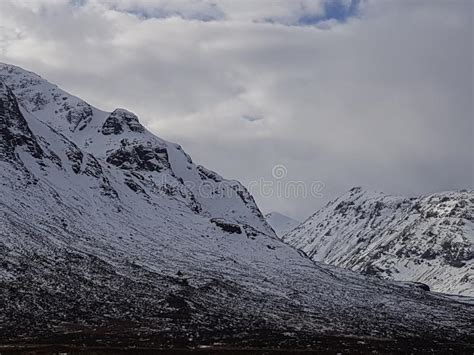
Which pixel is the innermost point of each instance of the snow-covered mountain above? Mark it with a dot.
(280, 223)
(425, 239)
(145, 163)
(110, 235)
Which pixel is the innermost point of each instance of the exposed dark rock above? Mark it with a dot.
(119, 120)
(227, 226)
(14, 130)
(139, 157)
(208, 174)
(75, 156)
(417, 285)
(250, 231)
(134, 186)
(79, 115)
(456, 254)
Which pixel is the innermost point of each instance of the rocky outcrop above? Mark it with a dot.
(121, 120)
(227, 226)
(139, 157)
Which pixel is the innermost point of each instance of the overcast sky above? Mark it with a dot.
(374, 93)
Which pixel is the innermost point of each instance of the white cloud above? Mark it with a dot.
(383, 101)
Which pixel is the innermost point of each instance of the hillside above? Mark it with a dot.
(426, 239)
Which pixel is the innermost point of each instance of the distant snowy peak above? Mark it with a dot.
(427, 239)
(280, 223)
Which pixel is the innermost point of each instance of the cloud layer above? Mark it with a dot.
(372, 93)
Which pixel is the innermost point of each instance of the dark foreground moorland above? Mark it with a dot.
(258, 345)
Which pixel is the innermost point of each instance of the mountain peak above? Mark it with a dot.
(14, 70)
(360, 191)
(52, 105)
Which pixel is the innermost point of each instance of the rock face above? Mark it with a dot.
(14, 131)
(117, 237)
(121, 120)
(426, 239)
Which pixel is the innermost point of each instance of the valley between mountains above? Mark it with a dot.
(111, 236)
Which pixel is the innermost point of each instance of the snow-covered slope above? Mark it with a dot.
(426, 239)
(146, 163)
(280, 223)
(110, 235)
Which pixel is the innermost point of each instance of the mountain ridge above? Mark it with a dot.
(426, 239)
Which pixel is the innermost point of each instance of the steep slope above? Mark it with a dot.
(426, 239)
(280, 223)
(104, 240)
(148, 164)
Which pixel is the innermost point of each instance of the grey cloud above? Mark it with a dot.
(252, 118)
